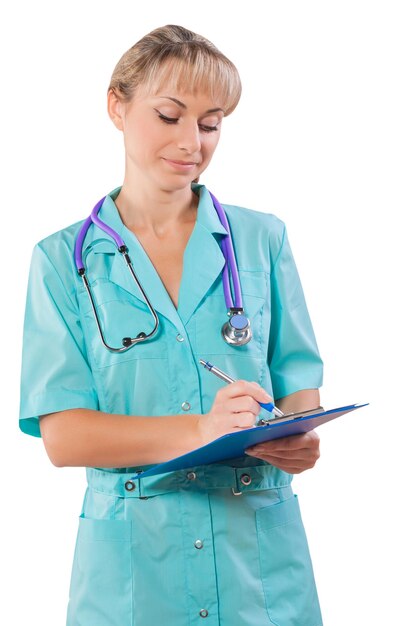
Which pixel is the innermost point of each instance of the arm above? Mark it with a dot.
(89, 438)
(299, 401)
(294, 363)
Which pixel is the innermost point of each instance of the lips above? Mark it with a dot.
(181, 162)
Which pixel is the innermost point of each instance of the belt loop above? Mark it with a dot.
(236, 488)
(141, 488)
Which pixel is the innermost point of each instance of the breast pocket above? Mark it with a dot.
(212, 314)
(120, 315)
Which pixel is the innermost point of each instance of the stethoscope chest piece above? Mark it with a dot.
(236, 331)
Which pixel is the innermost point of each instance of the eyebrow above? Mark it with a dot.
(181, 104)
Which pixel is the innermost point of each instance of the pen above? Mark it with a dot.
(269, 406)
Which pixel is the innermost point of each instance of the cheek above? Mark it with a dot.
(209, 144)
(142, 140)
(214, 139)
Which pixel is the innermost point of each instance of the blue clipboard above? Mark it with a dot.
(233, 445)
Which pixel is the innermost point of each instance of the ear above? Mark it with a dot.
(115, 109)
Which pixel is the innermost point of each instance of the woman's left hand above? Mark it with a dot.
(291, 454)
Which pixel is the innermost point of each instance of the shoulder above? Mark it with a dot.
(259, 219)
(63, 240)
(54, 254)
(254, 229)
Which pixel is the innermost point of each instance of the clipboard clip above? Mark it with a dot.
(289, 417)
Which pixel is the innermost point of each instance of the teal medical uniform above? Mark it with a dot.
(222, 544)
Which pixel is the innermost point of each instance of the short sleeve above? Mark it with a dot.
(55, 372)
(293, 355)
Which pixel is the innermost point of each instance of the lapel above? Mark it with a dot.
(203, 258)
(202, 264)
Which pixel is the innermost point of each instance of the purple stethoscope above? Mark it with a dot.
(236, 331)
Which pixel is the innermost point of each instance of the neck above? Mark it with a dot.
(147, 206)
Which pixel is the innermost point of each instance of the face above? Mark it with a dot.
(169, 138)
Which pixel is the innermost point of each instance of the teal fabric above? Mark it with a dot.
(135, 561)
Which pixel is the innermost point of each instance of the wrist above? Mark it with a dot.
(197, 430)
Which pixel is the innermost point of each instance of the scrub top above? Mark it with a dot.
(222, 543)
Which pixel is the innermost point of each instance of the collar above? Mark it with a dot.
(206, 213)
(203, 259)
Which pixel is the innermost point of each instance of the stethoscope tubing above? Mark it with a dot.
(236, 331)
(230, 258)
(230, 266)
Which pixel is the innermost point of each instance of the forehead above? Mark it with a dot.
(184, 100)
(185, 83)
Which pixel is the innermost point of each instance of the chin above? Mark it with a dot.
(175, 181)
(176, 185)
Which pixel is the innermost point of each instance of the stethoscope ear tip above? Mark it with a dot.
(127, 341)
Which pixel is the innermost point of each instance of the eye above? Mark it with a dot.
(208, 129)
(168, 120)
(173, 120)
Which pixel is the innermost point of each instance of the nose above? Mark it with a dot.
(189, 138)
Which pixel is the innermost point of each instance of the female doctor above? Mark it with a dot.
(220, 544)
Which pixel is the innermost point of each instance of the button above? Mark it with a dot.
(198, 544)
(179, 338)
(186, 406)
(130, 486)
(191, 475)
(245, 479)
(203, 613)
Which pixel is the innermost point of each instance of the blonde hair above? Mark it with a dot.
(172, 57)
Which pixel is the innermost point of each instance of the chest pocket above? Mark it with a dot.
(121, 314)
(212, 314)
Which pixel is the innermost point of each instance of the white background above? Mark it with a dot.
(325, 137)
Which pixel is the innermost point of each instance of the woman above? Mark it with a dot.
(223, 542)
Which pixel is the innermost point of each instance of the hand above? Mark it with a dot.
(235, 406)
(291, 454)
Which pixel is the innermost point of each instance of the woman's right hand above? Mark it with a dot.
(235, 407)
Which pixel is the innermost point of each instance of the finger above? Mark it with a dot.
(292, 467)
(243, 388)
(273, 448)
(307, 458)
(289, 453)
(304, 441)
(293, 456)
(244, 419)
(243, 404)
